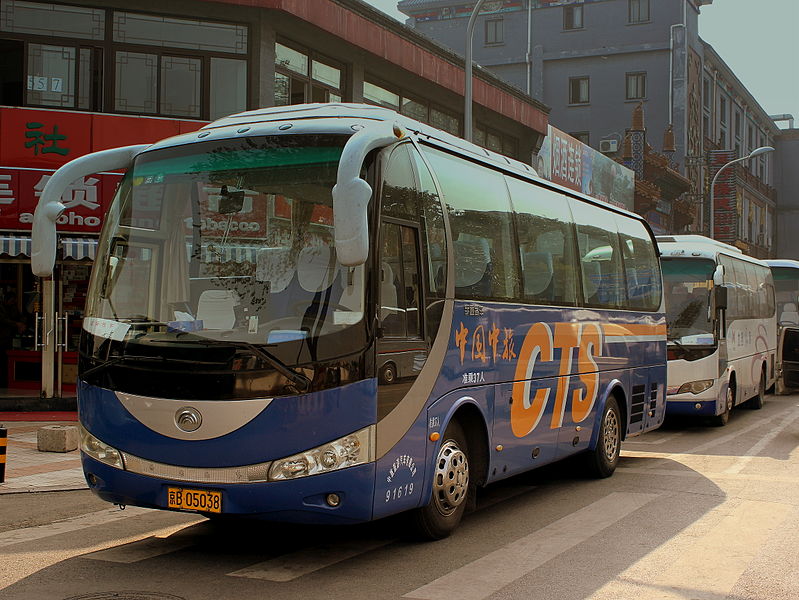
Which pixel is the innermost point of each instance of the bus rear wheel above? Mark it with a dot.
(451, 487)
(602, 460)
(757, 402)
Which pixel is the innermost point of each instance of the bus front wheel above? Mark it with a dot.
(729, 401)
(602, 460)
(450, 487)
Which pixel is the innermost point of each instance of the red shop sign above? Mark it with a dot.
(86, 199)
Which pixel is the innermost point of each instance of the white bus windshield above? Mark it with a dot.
(687, 284)
(227, 241)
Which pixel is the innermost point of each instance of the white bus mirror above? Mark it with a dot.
(351, 194)
(50, 206)
(718, 275)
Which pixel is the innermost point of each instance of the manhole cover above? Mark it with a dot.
(125, 595)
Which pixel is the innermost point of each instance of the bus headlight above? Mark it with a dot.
(348, 451)
(695, 387)
(99, 450)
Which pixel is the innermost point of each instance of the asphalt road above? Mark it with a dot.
(693, 512)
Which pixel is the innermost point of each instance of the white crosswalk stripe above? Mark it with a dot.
(485, 576)
(296, 564)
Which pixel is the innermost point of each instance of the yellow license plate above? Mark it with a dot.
(198, 500)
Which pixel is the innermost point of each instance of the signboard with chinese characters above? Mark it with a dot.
(568, 162)
(86, 200)
(50, 138)
(724, 201)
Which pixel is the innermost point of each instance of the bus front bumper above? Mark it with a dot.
(302, 500)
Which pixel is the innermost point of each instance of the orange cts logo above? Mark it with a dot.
(529, 404)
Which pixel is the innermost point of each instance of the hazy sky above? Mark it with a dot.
(758, 39)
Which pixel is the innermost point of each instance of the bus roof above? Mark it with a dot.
(782, 262)
(698, 246)
(346, 118)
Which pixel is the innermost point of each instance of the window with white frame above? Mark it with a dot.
(573, 16)
(638, 11)
(494, 32)
(635, 86)
(578, 90)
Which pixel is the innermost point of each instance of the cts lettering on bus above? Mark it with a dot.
(529, 404)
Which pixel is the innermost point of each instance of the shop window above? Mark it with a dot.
(150, 30)
(229, 89)
(180, 86)
(301, 77)
(376, 94)
(52, 20)
(136, 82)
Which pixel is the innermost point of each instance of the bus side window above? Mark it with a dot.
(546, 244)
(640, 266)
(480, 217)
(600, 256)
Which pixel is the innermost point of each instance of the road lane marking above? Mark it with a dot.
(156, 545)
(296, 564)
(487, 575)
(704, 561)
(102, 517)
(710, 476)
(663, 440)
(746, 458)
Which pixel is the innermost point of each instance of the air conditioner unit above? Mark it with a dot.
(608, 146)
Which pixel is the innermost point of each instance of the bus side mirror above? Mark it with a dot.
(720, 297)
(351, 194)
(50, 206)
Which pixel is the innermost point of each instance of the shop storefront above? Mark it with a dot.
(41, 319)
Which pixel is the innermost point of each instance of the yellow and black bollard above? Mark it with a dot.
(3, 446)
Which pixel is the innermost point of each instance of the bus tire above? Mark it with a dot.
(451, 487)
(721, 420)
(757, 402)
(388, 374)
(602, 460)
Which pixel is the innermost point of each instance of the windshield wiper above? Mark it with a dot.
(291, 374)
(118, 359)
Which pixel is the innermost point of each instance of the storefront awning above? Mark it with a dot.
(15, 245)
(78, 248)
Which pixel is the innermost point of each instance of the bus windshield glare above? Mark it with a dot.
(687, 284)
(225, 243)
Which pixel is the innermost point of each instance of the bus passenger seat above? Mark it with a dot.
(316, 268)
(274, 266)
(591, 280)
(217, 309)
(789, 313)
(472, 266)
(537, 271)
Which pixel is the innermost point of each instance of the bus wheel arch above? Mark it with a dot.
(601, 460)
(757, 401)
(461, 464)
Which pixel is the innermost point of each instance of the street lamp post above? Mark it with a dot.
(752, 154)
(467, 79)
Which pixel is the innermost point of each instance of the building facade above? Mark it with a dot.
(77, 77)
(593, 61)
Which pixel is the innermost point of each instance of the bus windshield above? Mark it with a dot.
(786, 285)
(228, 242)
(687, 284)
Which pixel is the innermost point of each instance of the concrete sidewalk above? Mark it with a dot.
(28, 470)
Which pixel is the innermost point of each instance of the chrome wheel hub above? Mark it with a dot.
(610, 435)
(451, 480)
